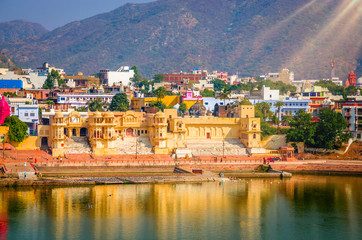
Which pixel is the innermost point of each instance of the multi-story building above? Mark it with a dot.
(352, 112)
(81, 81)
(290, 105)
(183, 78)
(165, 132)
(81, 99)
(29, 114)
(202, 85)
(284, 76)
(317, 95)
(12, 79)
(122, 76)
(45, 69)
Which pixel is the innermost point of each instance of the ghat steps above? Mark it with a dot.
(128, 145)
(77, 145)
(215, 147)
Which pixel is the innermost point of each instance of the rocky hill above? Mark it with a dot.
(18, 30)
(6, 62)
(248, 36)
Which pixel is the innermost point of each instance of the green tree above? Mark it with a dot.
(119, 103)
(182, 108)
(218, 84)
(53, 76)
(330, 130)
(279, 105)
(160, 105)
(244, 102)
(264, 107)
(135, 69)
(351, 90)
(17, 128)
(160, 93)
(49, 102)
(332, 87)
(224, 94)
(10, 94)
(208, 93)
(158, 78)
(302, 129)
(97, 105)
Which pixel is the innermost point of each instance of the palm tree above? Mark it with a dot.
(264, 107)
(279, 105)
(97, 105)
(224, 94)
(160, 93)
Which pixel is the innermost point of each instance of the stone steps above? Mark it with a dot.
(128, 146)
(216, 147)
(77, 145)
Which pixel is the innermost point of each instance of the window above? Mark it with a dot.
(254, 136)
(145, 131)
(142, 131)
(206, 103)
(32, 114)
(26, 114)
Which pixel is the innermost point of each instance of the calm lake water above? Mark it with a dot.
(304, 207)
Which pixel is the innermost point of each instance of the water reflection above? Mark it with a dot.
(303, 207)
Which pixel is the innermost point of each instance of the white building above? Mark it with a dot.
(300, 83)
(122, 76)
(202, 85)
(81, 99)
(268, 94)
(46, 69)
(30, 80)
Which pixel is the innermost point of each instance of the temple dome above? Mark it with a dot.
(359, 82)
(197, 109)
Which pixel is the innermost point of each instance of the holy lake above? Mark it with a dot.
(303, 207)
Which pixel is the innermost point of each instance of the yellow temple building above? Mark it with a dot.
(111, 133)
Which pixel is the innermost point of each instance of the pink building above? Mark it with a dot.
(189, 96)
(4, 110)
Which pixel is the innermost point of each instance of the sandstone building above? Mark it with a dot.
(110, 133)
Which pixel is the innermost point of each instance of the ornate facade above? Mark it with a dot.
(166, 131)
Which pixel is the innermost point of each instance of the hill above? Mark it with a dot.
(19, 29)
(6, 62)
(248, 36)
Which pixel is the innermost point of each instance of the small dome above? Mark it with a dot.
(359, 82)
(197, 109)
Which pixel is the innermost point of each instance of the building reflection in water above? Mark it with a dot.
(247, 208)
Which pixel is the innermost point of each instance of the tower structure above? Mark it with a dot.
(101, 133)
(351, 79)
(160, 133)
(57, 132)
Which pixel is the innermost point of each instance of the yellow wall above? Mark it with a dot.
(4, 131)
(29, 143)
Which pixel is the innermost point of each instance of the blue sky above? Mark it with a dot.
(56, 13)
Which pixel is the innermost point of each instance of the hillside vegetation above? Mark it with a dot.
(248, 36)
